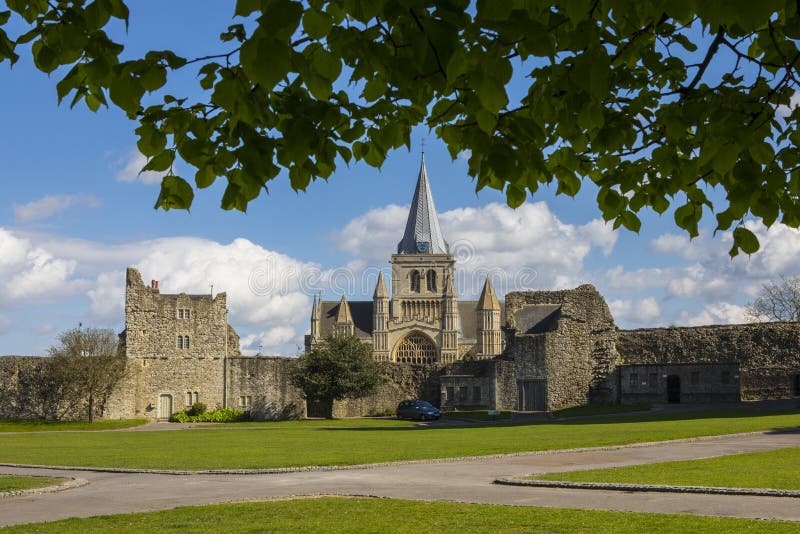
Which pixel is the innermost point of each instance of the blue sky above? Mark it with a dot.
(73, 215)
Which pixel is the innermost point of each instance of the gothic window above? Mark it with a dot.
(415, 281)
(416, 348)
(431, 277)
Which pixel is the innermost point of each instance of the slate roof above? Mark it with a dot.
(423, 223)
(537, 318)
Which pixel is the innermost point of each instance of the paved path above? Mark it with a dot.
(463, 481)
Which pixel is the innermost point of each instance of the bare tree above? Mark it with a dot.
(777, 301)
(87, 365)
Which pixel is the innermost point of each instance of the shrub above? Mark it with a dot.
(220, 415)
(198, 408)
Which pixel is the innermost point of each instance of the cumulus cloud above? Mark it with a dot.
(519, 248)
(269, 342)
(50, 205)
(717, 313)
(643, 312)
(131, 167)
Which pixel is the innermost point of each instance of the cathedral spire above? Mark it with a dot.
(422, 235)
(488, 300)
(380, 289)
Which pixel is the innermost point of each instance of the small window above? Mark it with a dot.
(634, 380)
(188, 398)
(476, 393)
(196, 397)
(726, 377)
(415, 281)
(652, 380)
(451, 393)
(180, 342)
(183, 313)
(462, 393)
(185, 342)
(695, 378)
(245, 401)
(431, 278)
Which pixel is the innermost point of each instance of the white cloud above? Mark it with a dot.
(519, 248)
(269, 342)
(50, 205)
(131, 167)
(643, 312)
(717, 313)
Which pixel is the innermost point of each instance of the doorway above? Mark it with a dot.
(531, 395)
(674, 388)
(796, 388)
(164, 406)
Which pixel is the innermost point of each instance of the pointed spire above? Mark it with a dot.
(422, 235)
(380, 289)
(314, 308)
(343, 315)
(488, 300)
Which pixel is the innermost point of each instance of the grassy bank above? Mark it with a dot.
(27, 425)
(16, 483)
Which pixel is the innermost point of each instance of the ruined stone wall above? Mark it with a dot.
(768, 354)
(266, 381)
(577, 357)
(696, 383)
(468, 384)
(403, 381)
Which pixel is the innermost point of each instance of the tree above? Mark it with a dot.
(339, 367)
(777, 301)
(86, 365)
(656, 102)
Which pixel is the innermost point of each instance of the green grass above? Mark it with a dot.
(35, 425)
(579, 411)
(337, 514)
(779, 469)
(478, 415)
(16, 483)
(346, 442)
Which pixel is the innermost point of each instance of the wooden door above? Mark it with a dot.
(165, 406)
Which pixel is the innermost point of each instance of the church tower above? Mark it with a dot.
(380, 321)
(489, 342)
(424, 311)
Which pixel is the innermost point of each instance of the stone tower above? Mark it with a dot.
(489, 342)
(422, 272)
(344, 319)
(380, 321)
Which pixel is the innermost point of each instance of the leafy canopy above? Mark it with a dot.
(656, 102)
(339, 367)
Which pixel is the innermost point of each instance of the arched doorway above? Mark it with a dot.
(164, 406)
(674, 388)
(416, 347)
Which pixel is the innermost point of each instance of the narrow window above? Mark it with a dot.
(431, 278)
(653, 380)
(185, 342)
(451, 393)
(196, 397)
(726, 377)
(415, 281)
(188, 398)
(695, 378)
(180, 342)
(476, 393)
(186, 313)
(634, 380)
(462, 393)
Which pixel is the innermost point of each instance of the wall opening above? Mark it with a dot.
(796, 385)
(416, 348)
(531, 395)
(164, 406)
(674, 388)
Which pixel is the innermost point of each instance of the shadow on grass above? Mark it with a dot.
(615, 419)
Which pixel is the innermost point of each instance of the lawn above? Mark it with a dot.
(347, 442)
(338, 514)
(13, 425)
(16, 483)
(478, 415)
(779, 469)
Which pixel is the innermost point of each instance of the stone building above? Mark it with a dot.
(422, 320)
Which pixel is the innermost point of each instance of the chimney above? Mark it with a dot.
(154, 284)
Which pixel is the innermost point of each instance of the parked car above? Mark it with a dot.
(418, 409)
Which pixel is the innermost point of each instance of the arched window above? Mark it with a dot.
(415, 281)
(416, 348)
(431, 276)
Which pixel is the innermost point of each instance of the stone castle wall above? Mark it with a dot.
(266, 381)
(768, 354)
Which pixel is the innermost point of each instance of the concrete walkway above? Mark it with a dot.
(463, 481)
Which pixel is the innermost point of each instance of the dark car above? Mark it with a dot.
(418, 409)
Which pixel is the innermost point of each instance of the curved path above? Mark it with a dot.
(462, 480)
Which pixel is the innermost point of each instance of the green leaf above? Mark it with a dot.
(316, 24)
(161, 162)
(175, 193)
(687, 217)
(515, 195)
(744, 240)
(265, 72)
(491, 93)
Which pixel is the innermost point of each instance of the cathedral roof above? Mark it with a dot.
(422, 235)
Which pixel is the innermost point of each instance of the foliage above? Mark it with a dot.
(198, 408)
(86, 364)
(27, 425)
(655, 102)
(359, 515)
(777, 301)
(348, 442)
(779, 469)
(16, 483)
(220, 415)
(339, 367)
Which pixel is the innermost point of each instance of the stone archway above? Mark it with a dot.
(416, 347)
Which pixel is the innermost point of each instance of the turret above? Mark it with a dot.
(380, 321)
(344, 320)
(315, 320)
(449, 352)
(489, 342)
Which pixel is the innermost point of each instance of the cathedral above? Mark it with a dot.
(421, 321)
